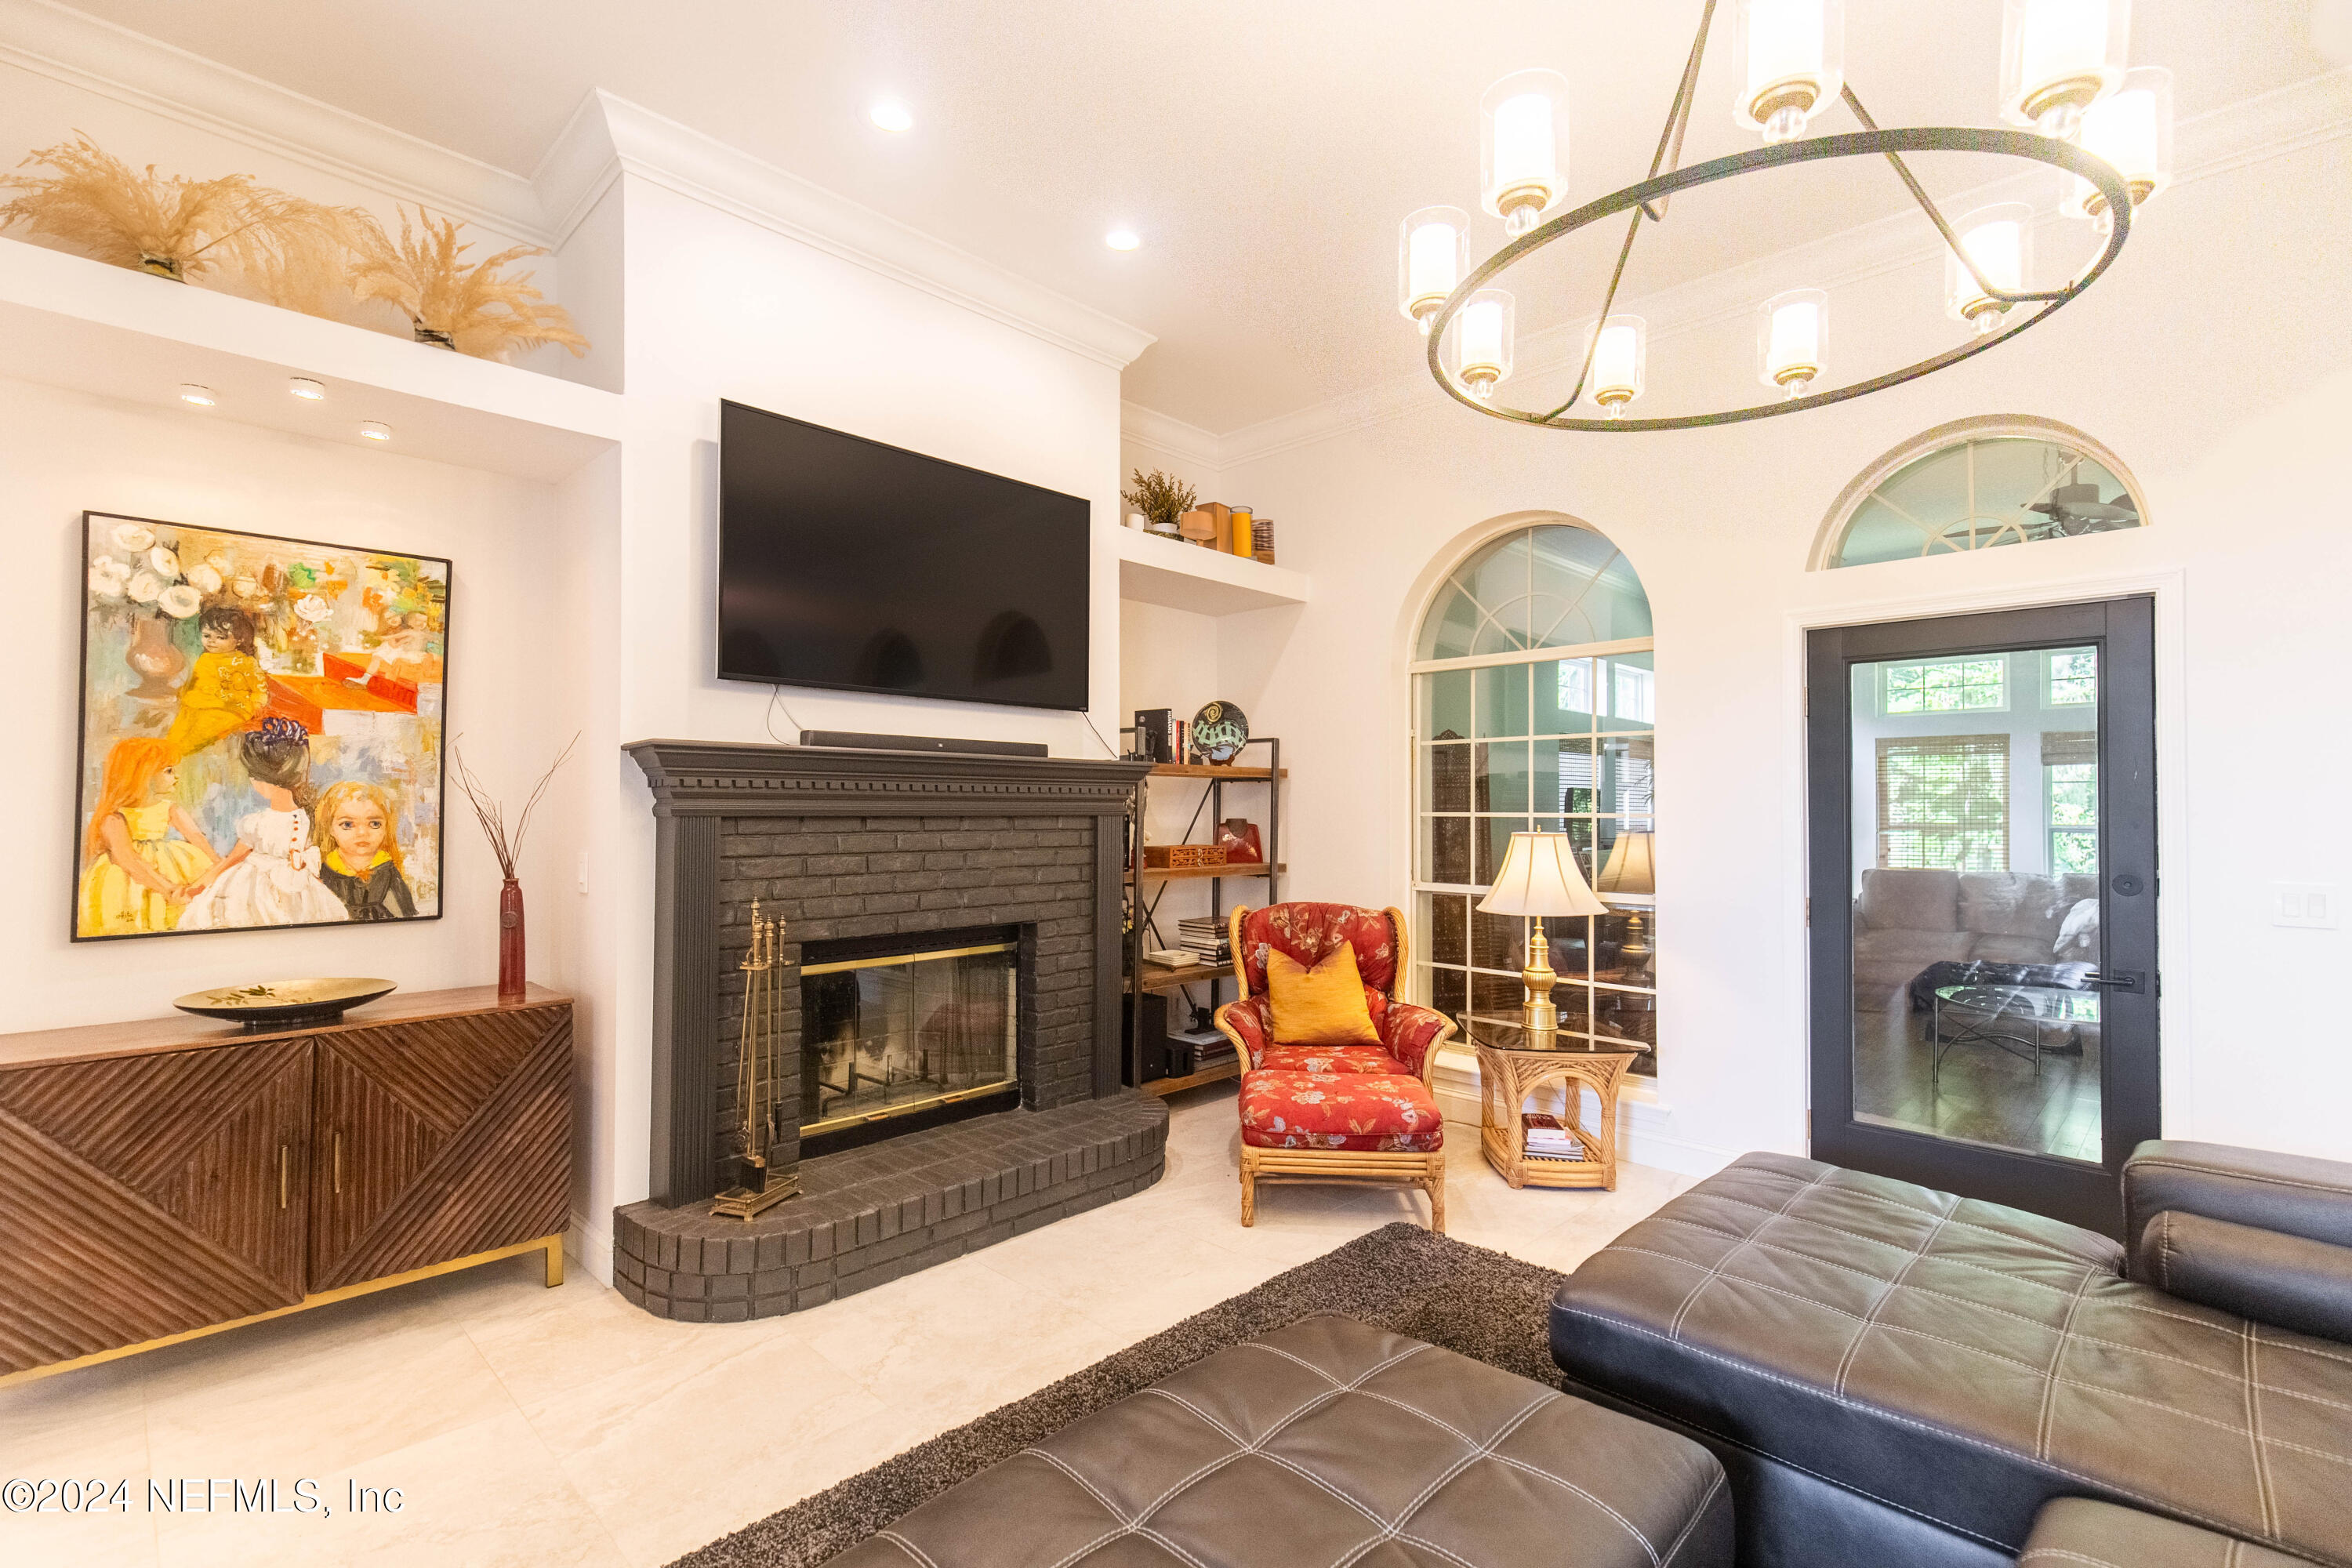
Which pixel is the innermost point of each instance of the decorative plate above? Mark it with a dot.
(1220, 730)
(273, 1004)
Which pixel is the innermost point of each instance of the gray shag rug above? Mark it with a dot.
(1479, 1303)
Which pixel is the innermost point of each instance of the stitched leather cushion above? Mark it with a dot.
(1330, 1443)
(1962, 1360)
(2075, 1533)
(1375, 1112)
(1321, 1004)
(1329, 1058)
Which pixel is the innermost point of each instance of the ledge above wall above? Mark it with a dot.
(72, 322)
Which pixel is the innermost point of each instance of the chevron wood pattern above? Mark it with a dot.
(99, 1258)
(453, 1142)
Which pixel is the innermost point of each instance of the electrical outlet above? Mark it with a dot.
(2310, 906)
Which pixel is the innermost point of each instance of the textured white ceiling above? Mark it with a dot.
(1264, 149)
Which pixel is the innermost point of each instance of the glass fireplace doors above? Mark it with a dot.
(900, 1035)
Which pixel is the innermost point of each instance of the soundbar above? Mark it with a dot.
(852, 741)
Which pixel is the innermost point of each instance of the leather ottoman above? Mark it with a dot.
(1331, 1442)
(2075, 1533)
(1894, 1373)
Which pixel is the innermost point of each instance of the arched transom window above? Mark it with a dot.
(1535, 708)
(1982, 491)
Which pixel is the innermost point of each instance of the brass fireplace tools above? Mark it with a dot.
(758, 1185)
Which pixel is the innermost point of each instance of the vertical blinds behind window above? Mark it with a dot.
(1943, 802)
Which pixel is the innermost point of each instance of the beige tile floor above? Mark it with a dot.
(529, 1425)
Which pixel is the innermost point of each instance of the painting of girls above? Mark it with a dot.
(357, 831)
(262, 732)
(271, 877)
(143, 853)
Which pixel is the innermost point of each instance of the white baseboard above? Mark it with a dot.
(590, 1246)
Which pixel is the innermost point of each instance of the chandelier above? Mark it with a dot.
(2063, 83)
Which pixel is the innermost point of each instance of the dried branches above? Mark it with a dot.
(473, 310)
(1159, 496)
(165, 224)
(506, 845)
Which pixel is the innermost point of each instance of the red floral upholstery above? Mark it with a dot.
(1381, 1112)
(1329, 1058)
(1307, 932)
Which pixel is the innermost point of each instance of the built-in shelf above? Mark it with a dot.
(113, 332)
(1163, 1087)
(1184, 873)
(1159, 571)
(1168, 977)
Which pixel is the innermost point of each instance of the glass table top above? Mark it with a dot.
(2050, 1003)
(1511, 1033)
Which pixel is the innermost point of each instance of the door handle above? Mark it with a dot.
(339, 1160)
(285, 1163)
(2101, 980)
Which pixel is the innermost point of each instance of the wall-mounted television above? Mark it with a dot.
(852, 565)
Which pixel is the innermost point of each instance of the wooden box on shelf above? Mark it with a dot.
(1182, 856)
(169, 1178)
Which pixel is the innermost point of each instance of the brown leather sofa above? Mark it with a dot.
(1905, 921)
(1895, 1374)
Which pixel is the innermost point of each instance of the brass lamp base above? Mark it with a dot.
(1543, 1017)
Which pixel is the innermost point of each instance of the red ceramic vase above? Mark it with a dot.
(510, 948)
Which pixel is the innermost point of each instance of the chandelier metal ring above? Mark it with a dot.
(1890, 144)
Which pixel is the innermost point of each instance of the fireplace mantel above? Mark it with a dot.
(893, 841)
(714, 778)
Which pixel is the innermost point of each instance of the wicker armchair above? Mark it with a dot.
(1335, 1113)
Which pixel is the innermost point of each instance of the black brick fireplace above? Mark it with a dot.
(879, 852)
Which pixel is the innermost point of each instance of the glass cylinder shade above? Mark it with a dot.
(2130, 129)
(1792, 54)
(1620, 350)
(1433, 253)
(1792, 333)
(2058, 57)
(1480, 334)
(1523, 147)
(1997, 239)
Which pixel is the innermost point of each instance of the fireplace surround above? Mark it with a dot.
(866, 854)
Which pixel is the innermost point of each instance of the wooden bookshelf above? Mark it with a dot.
(1162, 977)
(1163, 1087)
(1212, 771)
(1181, 873)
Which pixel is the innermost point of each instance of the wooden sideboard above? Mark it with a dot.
(170, 1178)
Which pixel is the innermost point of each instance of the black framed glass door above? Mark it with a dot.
(1981, 814)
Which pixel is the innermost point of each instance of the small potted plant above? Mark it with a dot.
(1162, 499)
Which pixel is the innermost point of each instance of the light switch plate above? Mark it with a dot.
(2310, 906)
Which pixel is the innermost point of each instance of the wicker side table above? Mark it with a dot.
(1510, 1069)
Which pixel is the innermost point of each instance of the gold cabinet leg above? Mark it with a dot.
(554, 1261)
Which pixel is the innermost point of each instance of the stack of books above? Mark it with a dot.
(1546, 1139)
(1206, 938)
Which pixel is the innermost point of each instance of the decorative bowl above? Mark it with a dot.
(1220, 730)
(276, 1004)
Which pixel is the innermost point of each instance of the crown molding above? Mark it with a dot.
(99, 57)
(1168, 437)
(609, 136)
(2273, 124)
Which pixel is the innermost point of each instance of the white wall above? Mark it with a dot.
(2216, 360)
(514, 694)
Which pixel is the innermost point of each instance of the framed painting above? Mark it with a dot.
(262, 727)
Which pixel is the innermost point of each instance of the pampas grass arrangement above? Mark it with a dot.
(174, 228)
(474, 309)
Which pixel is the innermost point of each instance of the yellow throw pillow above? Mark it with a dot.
(1319, 1006)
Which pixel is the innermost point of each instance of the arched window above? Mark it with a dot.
(1535, 708)
(1976, 485)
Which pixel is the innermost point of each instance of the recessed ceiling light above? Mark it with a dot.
(308, 390)
(891, 115)
(1122, 239)
(202, 397)
(376, 429)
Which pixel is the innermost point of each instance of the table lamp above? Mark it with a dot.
(1631, 869)
(1539, 878)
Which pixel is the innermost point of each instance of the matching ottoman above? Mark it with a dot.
(1331, 1442)
(2075, 1533)
(1341, 1126)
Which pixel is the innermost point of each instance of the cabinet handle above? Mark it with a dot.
(339, 1160)
(284, 1164)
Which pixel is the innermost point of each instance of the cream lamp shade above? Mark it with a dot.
(1540, 877)
(1630, 869)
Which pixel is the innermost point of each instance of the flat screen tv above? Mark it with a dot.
(849, 564)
